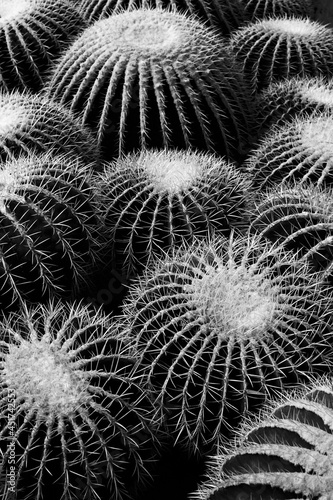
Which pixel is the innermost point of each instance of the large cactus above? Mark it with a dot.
(70, 407)
(221, 328)
(286, 454)
(154, 78)
(32, 34)
(156, 199)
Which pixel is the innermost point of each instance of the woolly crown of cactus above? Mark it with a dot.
(50, 225)
(300, 218)
(259, 9)
(33, 123)
(282, 101)
(300, 150)
(224, 15)
(32, 34)
(153, 78)
(156, 199)
(283, 47)
(82, 422)
(286, 453)
(221, 326)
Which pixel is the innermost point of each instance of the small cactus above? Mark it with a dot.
(286, 454)
(222, 326)
(260, 9)
(300, 150)
(156, 199)
(280, 47)
(224, 15)
(150, 78)
(32, 123)
(70, 406)
(49, 229)
(32, 34)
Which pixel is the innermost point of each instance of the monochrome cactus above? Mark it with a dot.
(299, 151)
(153, 78)
(220, 327)
(33, 33)
(283, 47)
(286, 453)
(71, 406)
(154, 200)
(49, 231)
(260, 9)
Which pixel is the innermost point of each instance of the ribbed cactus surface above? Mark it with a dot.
(32, 123)
(300, 150)
(282, 47)
(70, 406)
(157, 199)
(259, 9)
(287, 454)
(49, 226)
(32, 34)
(154, 78)
(220, 327)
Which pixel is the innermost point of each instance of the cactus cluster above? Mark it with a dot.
(220, 327)
(260, 9)
(156, 199)
(78, 421)
(286, 454)
(32, 34)
(152, 78)
(283, 47)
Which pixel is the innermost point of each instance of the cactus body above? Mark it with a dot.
(276, 48)
(80, 431)
(219, 329)
(287, 454)
(224, 15)
(301, 151)
(152, 78)
(31, 123)
(49, 229)
(157, 199)
(260, 9)
(32, 34)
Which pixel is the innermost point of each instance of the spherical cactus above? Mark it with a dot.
(300, 219)
(32, 34)
(49, 230)
(224, 15)
(31, 123)
(280, 47)
(71, 409)
(221, 328)
(260, 9)
(156, 199)
(153, 78)
(286, 454)
(282, 101)
(301, 151)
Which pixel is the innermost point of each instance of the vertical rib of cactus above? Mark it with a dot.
(287, 452)
(153, 78)
(276, 48)
(219, 329)
(155, 200)
(83, 424)
(259, 9)
(32, 34)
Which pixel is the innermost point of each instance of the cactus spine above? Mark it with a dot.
(260, 9)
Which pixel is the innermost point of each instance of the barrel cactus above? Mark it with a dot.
(50, 225)
(32, 123)
(156, 199)
(260, 9)
(70, 406)
(286, 454)
(282, 47)
(224, 15)
(220, 327)
(152, 78)
(300, 150)
(32, 34)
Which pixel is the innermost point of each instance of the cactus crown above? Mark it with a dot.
(291, 26)
(9, 9)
